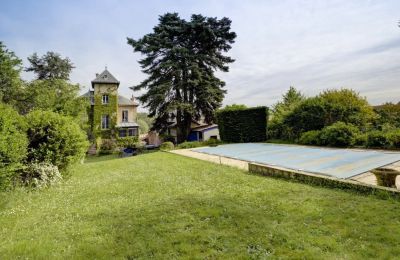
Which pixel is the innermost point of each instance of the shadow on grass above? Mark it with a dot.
(108, 157)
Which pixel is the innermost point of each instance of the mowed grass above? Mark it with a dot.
(165, 206)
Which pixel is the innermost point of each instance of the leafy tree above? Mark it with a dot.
(234, 107)
(143, 126)
(330, 106)
(58, 96)
(50, 66)
(388, 114)
(145, 117)
(10, 82)
(181, 58)
(290, 100)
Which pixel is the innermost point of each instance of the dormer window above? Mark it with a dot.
(105, 99)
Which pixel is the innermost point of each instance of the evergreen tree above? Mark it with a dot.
(181, 58)
(50, 66)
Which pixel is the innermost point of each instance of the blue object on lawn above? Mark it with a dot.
(336, 162)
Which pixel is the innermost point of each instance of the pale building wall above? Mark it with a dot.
(131, 113)
(209, 133)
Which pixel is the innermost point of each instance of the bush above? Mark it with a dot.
(55, 139)
(311, 138)
(40, 175)
(394, 138)
(107, 146)
(212, 142)
(128, 142)
(339, 134)
(166, 146)
(377, 139)
(361, 139)
(188, 145)
(13, 144)
(243, 125)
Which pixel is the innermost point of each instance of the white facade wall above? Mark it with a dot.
(213, 132)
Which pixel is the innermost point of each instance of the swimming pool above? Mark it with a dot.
(339, 163)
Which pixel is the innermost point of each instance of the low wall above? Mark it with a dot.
(321, 180)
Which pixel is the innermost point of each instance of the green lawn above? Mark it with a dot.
(165, 206)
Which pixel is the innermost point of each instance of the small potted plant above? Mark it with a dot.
(386, 177)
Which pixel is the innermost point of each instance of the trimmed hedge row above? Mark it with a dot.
(243, 125)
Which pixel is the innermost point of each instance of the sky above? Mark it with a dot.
(311, 45)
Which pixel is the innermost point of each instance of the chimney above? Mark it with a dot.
(133, 98)
(97, 74)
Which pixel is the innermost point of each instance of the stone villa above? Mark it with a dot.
(110, 115)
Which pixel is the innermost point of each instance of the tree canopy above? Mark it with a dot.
(181, 58)
(50, 66)
(10, 82)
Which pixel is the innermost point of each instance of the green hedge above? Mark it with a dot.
(243, 125)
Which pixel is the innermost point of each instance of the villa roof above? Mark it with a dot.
(105, 77)
(126, 101)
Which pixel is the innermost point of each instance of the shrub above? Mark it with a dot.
(107, 146)
(166, 146)
(212, 142)
(13, 144)
(311, 138)
(394, 138)
(55, 139)
(40, 175)
(128, 142)
(339, 134)
(361, 139)
(377, 139)
(243, 125)
(188, 145)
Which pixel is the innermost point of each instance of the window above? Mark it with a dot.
(124, 115)
(105, 122)
(132, 132)
(105, 99)
(122, 132)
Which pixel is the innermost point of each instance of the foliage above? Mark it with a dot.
(212, 142)
(143, 126)
(10, 82)
(339, 134)
(181, 58)
(188, 145)
(233, 107)
(377, 139)
(388, 114)
(276, 127)
(50, 66)
(54, 138)
(312, 137)
(100, 109)
(327, 108)
(394, 138)
(107, 146)
(41, 175)
(127, 142)
(246, 125)
(58, 96)
(146, 118)
(166, 146)
(13, 144)
(199, 210)
(361, 139)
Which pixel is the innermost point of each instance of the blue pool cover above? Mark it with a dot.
(339, 163)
